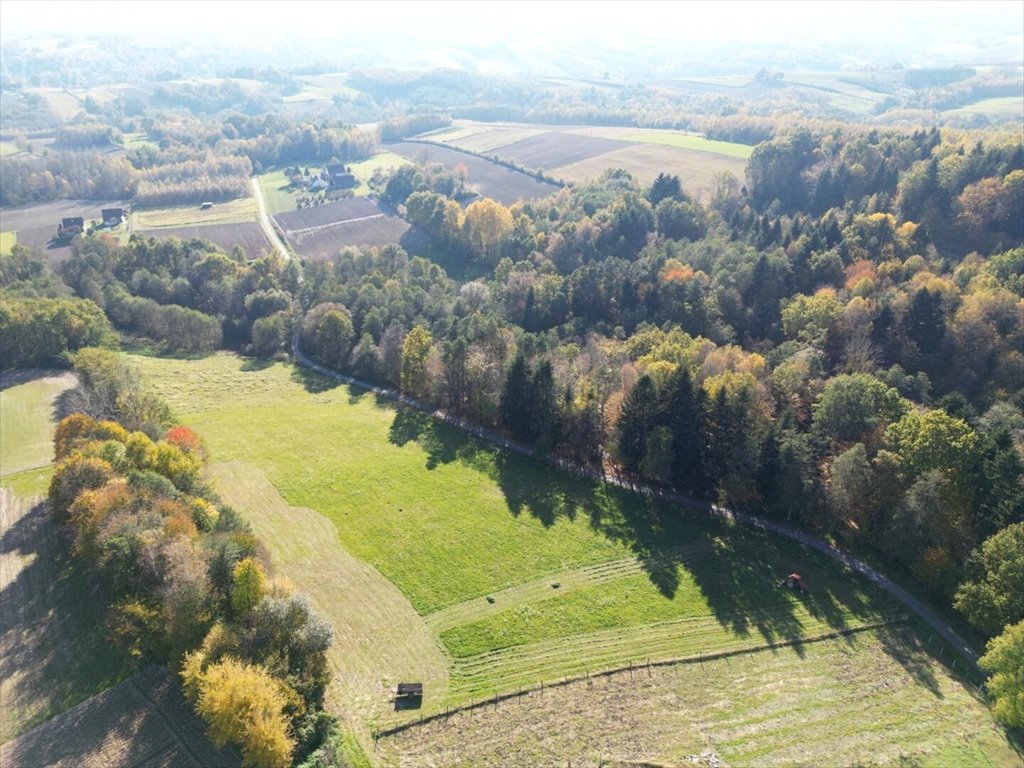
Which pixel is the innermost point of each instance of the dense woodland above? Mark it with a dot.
(836, 340)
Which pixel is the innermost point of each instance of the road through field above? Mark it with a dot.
(753, 521)
(264, 219)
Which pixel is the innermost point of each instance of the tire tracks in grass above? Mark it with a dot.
(568, 580)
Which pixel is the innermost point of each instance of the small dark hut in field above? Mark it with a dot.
(69, 227)
(338, 176)
(112, 217)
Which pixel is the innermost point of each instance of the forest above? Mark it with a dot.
(836, 341)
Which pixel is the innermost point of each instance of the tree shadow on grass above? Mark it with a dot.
(736, 569)
(55, 649)
(250, 364)
(314, 382)
(913, 653)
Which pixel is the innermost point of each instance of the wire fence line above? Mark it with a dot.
(713, 510)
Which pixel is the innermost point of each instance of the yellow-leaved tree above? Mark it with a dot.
(249, 584)
(487, 224)
(244, 705)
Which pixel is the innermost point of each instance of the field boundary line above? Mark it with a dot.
(629, 668)
(710, 509)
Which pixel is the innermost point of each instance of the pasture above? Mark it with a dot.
(144, 722)
(324, 230)
(279, 195)
(484, 177)
(7, 241)
(442, 559)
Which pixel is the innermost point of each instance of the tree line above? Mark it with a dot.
(189, 584)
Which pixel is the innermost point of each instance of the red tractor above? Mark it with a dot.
(795, 582)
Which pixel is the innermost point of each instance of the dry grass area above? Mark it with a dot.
(379, 637)
(142, 723)
(874, 698)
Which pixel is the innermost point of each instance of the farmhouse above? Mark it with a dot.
(112, 217)
(338, 176)
(69, 227)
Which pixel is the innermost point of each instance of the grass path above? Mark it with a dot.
(379, 638)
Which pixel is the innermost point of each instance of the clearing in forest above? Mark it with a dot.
(504, 572)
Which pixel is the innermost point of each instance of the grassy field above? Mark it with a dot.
(8, 148)
(873, 698)
(1005, 107)
(53, 649)
(364, 169)
(26, 440)
(7, 242)
(689, 141)
(236, 211)
(138, 140)
(278, 195)
(441, 559)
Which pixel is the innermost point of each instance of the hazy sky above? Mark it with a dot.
(484, 21)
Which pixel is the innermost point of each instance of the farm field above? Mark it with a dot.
(7, 241)
(484, 177)
(548, 575)
(551, 149)
(696, 170)
(324, 230)
(871, 698)
(249, 235)
(144, 722)
(579, 153)
(236, 211)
